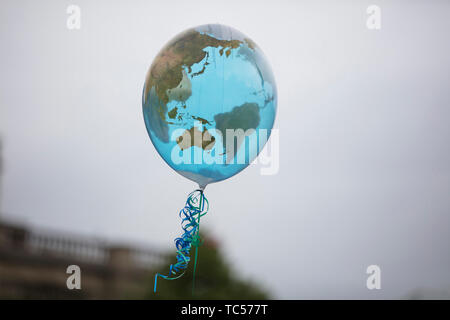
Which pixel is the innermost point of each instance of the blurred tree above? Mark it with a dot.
(214, 279)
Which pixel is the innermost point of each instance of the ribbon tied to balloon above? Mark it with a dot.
(209, 104)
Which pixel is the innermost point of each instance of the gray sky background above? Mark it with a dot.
(364, 138)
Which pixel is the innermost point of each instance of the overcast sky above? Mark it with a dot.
(363, 117)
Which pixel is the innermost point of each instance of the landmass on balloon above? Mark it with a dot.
(209, 104)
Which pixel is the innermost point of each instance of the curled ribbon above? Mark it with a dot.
(196, 207)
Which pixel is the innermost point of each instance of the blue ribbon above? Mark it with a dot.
(196, 206)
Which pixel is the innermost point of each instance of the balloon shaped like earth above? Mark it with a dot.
(209, 102)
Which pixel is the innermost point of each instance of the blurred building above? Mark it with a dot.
(33, 265)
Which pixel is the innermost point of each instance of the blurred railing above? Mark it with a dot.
(33, 264)
(86, 250)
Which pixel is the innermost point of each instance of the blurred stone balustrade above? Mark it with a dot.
(33, 265)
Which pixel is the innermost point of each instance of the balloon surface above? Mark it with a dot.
(209, 102)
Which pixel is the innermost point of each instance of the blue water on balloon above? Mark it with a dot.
(227, 82)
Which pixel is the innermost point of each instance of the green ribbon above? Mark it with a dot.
(196, 206)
